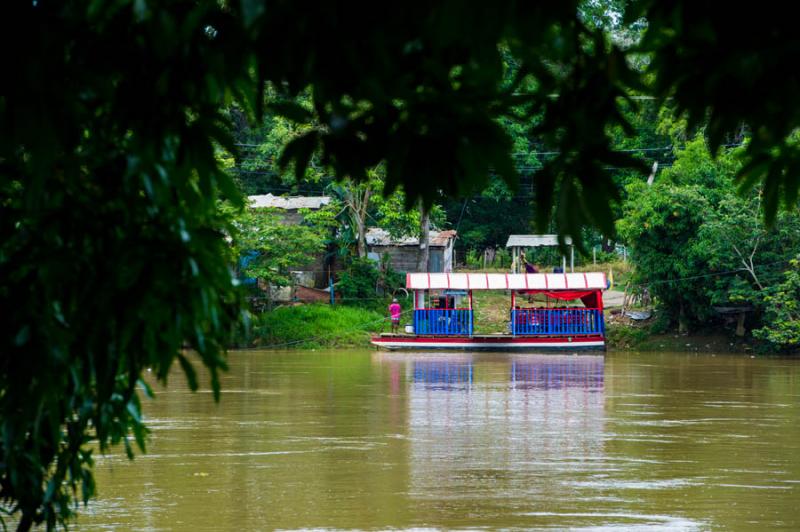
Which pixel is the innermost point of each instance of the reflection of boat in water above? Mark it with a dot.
(547, 311)
(520, 430)
(442, 372)
(560, 371)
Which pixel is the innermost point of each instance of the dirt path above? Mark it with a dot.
(613, 298)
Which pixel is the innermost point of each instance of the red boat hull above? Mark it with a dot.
(489, 342)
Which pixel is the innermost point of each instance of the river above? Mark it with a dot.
(367, 440)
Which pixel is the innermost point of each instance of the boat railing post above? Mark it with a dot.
(513, 321)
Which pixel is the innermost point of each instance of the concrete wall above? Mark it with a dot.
(404, 258)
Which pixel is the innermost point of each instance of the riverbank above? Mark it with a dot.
(318, 326)
(311, 327)
(621, 337)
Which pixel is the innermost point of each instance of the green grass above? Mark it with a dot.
(491, 311)
(312, 327)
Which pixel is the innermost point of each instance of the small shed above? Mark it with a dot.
(519, 243)
(404, 251)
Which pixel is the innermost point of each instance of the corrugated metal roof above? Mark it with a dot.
(380, 237)
(532, 241)
(442, 237)
(507, 281)
(288, 202)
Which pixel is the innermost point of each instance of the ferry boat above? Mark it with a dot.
(546, 311)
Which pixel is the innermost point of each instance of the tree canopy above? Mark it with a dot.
(112, 248)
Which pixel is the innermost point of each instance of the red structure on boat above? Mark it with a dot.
(547, 311)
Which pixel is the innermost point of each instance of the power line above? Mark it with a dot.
(707, 275)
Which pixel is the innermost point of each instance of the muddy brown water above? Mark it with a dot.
(366, 440)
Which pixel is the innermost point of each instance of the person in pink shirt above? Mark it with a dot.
(395, 311)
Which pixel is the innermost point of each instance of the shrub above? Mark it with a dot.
(363, 284)
(474, 260)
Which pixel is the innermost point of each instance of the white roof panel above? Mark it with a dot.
(439, 280)
(536, 281)
(459, 282)
(595, 279)
(477, 281)
(576, 280)
(497, 281)
(517, 282)
(506, 281)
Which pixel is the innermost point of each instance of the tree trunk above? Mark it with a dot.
(424, 238)
(361, 243)
(360, 208)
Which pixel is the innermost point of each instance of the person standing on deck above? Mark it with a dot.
(395, 311)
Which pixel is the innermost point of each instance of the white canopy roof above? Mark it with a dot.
(533, 241)
(507, 281)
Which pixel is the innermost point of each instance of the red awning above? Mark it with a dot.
(590, 298)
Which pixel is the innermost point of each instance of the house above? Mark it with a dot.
(404, 252)
(313, 274)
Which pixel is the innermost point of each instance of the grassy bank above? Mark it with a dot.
(635, 337)
(312, 327)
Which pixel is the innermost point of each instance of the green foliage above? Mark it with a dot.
(502, 259)
(717, 79)
(782, 307)
(626, 337)
(474, 259)
(696, 243)
(273, 246)
(426, 96)
(365, 285)
(112, 249)
(661, 223)
(256, 164)
(311, 327)
(487, 219)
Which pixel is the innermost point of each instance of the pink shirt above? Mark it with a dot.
(395, 311)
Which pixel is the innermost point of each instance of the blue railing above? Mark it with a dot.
(550, 322)
(443, 321)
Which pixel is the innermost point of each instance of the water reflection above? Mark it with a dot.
(552, 371)
(520, 430)
(365, 440)
(442, 373)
